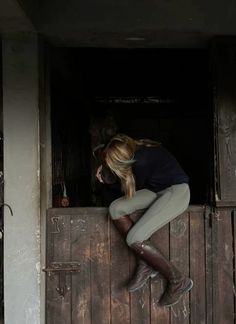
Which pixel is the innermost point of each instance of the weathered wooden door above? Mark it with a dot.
(88, 266)
(78, 238)
(224, 82)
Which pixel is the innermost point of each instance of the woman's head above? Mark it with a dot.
(119, 156)
(119, 152)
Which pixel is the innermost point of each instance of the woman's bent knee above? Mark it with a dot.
(123, 206)
(116, 209)
(134, 237)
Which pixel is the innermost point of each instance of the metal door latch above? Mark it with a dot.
(62, 268)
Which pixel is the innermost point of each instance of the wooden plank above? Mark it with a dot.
(208, 265)
(80, 252)
(179, 255)
(140, 299)
(100, 286)
(50, 280)
(223, 283)
(223, 59)
(197, 268)
(59, 307)
(100, 269)
(196, 208)
(225, 204)
(160, 315)
(119, 267)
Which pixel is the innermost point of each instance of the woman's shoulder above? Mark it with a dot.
(148, 149)
(144, 153)
(147, 155)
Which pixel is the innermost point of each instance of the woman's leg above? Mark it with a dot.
(125, 206)
(119, 212)
(178, 283)
(173, 202)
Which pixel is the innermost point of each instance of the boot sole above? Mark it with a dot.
(188, 288)
(153, 275)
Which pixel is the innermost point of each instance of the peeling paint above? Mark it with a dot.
(37, 233)
(38, 269)
(31, 310)
(228, 252)
(21, 171)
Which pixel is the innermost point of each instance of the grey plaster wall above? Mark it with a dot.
(22, 266)
(45, 158)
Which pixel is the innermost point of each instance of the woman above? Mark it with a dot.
(151, 179)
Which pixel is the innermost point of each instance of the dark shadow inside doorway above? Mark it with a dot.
(163, 94)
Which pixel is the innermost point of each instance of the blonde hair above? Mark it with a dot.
(119, 156)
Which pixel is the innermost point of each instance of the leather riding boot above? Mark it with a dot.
(178, 284)
(123, 224)
(143, 271)
(142, 274)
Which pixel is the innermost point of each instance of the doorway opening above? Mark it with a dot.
(162, 94)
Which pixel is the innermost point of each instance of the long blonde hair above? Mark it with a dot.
(119, 156)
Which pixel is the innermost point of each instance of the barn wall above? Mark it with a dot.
(22, 185)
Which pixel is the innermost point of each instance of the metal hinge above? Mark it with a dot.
(62, 268)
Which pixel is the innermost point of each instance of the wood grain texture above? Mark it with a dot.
(100, 270)
(223, 281)
(59, 307)
(224, 67)
(179, 256)
(209, 265)
(197, 268)
(199, 243)
(160, 315)
(119, 267)
(80, 251)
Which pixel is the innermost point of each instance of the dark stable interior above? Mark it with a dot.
(161, 94)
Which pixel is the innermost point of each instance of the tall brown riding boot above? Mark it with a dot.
(123, 224)
(143, 271)
(178, 284)
(142, 274)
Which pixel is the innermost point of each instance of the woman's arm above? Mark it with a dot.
(98, 174)
(105, 175)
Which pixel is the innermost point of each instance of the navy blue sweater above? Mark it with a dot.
(155, 168)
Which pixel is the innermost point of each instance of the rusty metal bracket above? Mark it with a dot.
(62, 269)
(63, 266)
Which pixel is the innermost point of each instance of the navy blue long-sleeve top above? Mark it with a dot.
(155, 168)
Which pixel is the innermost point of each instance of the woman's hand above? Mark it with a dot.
(98, 174)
